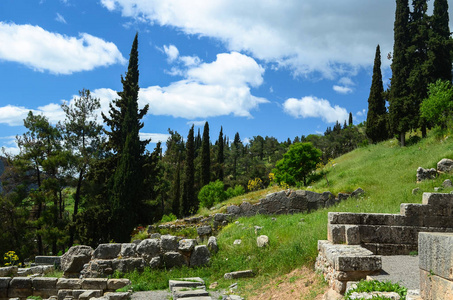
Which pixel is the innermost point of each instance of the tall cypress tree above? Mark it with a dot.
(399, 92)
(220, 155)
(205, 156)
(350, 123)
(440, 43)
(128, 177)
(189, 200)
(376, 128)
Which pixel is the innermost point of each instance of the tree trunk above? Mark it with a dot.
(403, 139)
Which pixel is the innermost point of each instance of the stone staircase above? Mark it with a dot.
(189, 289)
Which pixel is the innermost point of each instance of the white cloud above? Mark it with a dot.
(210, 89)
(190, 61)
(42, 50)
(315, 108)
(172, 53)
(60, 18)
(196, 123)
(10, 146)
(346, 81)
(332, 37)
(155, 137)
(361, 113)
(342, 89)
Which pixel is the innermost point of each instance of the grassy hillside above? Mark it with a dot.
(385, 171)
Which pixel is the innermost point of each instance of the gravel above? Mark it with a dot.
(400, 268)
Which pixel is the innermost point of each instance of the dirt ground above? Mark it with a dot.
(301, 283)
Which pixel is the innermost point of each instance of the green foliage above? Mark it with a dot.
(377, 286)
(211, 194)
(205, 156)
(168, 218)
(255, 184)
(297, 163)
(189, 200)
(234, 192)
(438, 107)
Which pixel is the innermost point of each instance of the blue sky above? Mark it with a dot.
(270, 68)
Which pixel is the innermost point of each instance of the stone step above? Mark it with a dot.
(198, 298)
(183, 294)
(186, 282)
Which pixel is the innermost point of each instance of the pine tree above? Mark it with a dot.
(189, 200)
(399, 93)
(440, 43)
(205, 156)
(220, 155)
(376, 128)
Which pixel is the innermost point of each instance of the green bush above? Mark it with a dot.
(211, 194)
(234, 192)
(377, 286)
(168, 218)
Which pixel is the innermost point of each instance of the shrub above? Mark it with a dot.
(168, 218)
(234, 192)
(255, 184)
(377, 286)
(211, 194)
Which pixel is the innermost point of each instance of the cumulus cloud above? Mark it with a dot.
(155, 137)
(342, 89)
(305, 36)
(42, 50)
(196, 123)
(172, 53)
(313, 107)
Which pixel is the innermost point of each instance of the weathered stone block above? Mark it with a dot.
(247, 209)
(262, 241)
(445, 165)
(238, 274)
(69, 284)
(107, 251)
(234, 209)
(155, 262)
(187, 245)
(44, 283)
(72, 261)
(128, 250)
(358, 263)
(193, 282)
(130, 264)
(352, 233)
(114, 284)
(48, 260)
(94, 283)
(344, 218)
(20, 287)
(212, 244)
(149, 248)
(8, 271)
(436, 253)
(200, 256)
(86, 295)
(173, 259)
(118, 296)
(183, 293)
(204, 230)
(336, 233)
(65, 293)
(168, 243)
(435, 287)
(4, 284)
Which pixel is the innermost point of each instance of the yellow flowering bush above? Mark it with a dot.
(10, 258)
(255, 184)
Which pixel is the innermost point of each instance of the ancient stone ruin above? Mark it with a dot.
(356, 241)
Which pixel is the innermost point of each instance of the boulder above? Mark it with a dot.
(149, 248)
(262, 241)
(447, 183)
(173, 259)
(107, 251)
(155, 262)
(357, 192)
(212, 244)
(168, 243)
(204, 230)
(445, 165)
(128, 250)
(423, 174)
(72, 261)
(233, 209)
(187, 245)
(126, 265)
(200, 256)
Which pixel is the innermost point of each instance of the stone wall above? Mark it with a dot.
(393, 234)
(290, 202)
(436, 265)
(22, 287)
(167, 251)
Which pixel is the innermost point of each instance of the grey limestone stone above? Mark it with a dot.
(187, 245)
(445, 165)
(200, 256)
(128, 250)
(107, 251)
(169, 243)
(238, 274)
(149, 248)
(204, 230)
(173, 259)
(212, 244)
(262, 241)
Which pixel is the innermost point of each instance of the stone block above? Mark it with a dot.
(358, 263)
(247, 209)
(193, 282)
(20, 287)
(72, 261)
(436, 253)
(413, 210)
(155, 262)
(262, 241)
(344, 218)
(44, 283)
(445, 165)
(4, 284)
(86, 295)
(222, 217)
(69, 283)
(392, 249)
(440, 204)
(8, 271)
(128, 250)
(130, 264)
(114, 284)
(173, 259)
(149, 248)
(238, 274)
(212, 244)
(435, 287)
(382, 219)
(336, 234)
(182, 293)
(107, 251)
(118, 296)
(234, 210)
(94, 284)
(200, 256)
(204, 230)
(187, 245)
(352, 233)
(48, 260)
(64, 293)
(168, 243)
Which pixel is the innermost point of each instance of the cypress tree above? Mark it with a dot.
(128, 177)
(439, 42)
(189, 202)
(350, 119)
(205, 156)
(376, 128)
(220, 155)
(399, 93)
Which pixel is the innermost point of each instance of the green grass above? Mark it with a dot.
(385, 171)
